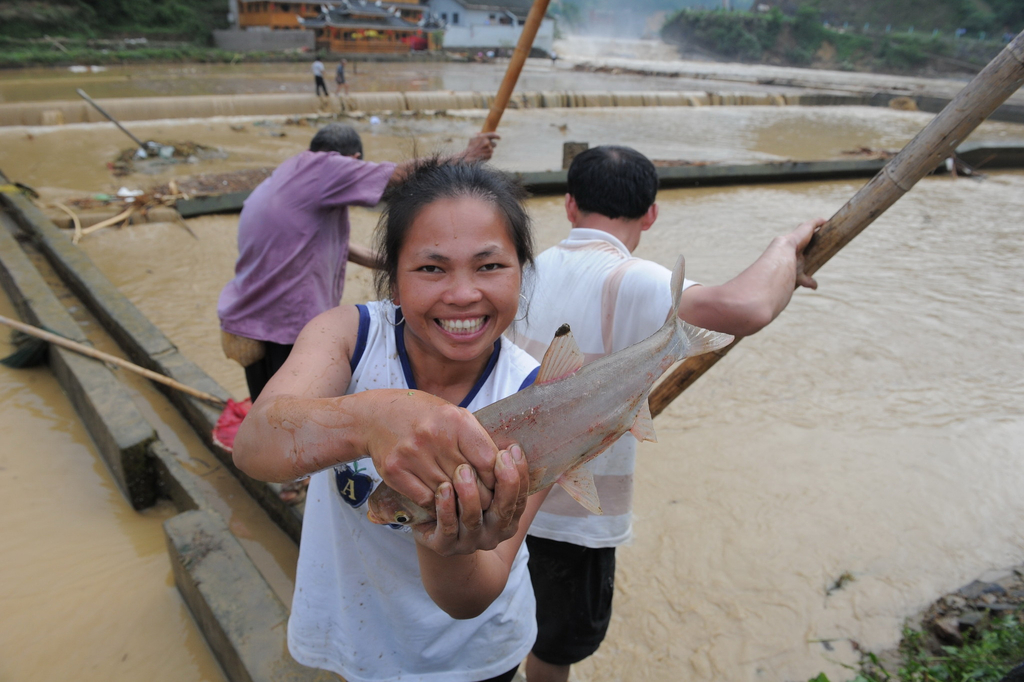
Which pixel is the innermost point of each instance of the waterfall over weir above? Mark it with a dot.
(206, 106)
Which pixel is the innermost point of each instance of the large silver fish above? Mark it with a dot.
(572, 413)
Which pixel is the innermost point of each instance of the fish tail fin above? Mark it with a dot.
(695, 340)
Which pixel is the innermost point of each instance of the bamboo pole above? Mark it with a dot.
(106, 357)
(81, 93)
(935, 143)
(515, 65)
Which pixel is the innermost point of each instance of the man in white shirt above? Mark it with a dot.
(612, 300)
(318, 76)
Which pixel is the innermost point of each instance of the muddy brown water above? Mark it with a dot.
(134, 80)
(874, 429)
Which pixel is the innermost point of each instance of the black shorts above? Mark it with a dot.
(574, 587)
(258, 373)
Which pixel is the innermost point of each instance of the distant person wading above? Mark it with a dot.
(318, 77)
(339, 79)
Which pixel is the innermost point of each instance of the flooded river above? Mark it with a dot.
(874, 429)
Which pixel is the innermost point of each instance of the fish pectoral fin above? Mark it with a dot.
(643, 426)
(563, 357)
(579, 483)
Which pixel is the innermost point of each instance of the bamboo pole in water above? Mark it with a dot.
(81, 93)
(935, 143)
(515, 65)
(91, 352)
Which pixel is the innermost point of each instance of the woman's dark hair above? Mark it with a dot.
(616, 182)
(433, 179)
(337, 137)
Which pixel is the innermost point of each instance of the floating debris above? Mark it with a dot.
(870, 153)
(670, 163)
(903, 104)
(159, 156)
(206, 184)
(840, 582)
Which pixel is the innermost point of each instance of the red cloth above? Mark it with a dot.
(229, 421)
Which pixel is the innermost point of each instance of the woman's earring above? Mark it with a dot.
(524, 308)
(398, 313)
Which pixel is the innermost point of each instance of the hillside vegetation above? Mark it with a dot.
(941, 36)
(995, 17)
(181, 20)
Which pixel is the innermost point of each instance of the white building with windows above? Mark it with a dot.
(488, 24)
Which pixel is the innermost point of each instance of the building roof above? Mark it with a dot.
(520, 8)
(359, 14)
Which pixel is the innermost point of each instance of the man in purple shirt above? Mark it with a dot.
(293, 245)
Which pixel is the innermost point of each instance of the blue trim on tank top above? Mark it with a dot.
(407, 368)
(530, 378)
(364, 332)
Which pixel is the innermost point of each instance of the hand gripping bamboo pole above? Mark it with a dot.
(91, 352)
(515, 65)
(935, 143)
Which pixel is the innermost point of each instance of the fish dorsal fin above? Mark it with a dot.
(678, 279)
(563, 357)
(579, 483)
(643, 426)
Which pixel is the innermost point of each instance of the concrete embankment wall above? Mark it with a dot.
(264, 41)
(206, 106)
(151, 108)
(239, 614)
(119, 430)
(144, 343)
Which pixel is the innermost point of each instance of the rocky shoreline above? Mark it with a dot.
(955, 617)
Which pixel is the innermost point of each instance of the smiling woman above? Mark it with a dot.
(456, 301)
(384, 391)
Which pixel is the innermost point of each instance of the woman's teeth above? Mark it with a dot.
(462, 326)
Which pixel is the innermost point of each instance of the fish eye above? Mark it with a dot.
(401, 517)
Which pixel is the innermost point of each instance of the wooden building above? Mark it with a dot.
(346, 26)
(360, 27)
(275, 15)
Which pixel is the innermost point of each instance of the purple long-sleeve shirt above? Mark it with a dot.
(293, 244)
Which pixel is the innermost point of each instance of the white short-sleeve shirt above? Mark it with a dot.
(610, 300)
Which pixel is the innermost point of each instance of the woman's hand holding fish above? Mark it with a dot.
(423, 441)
(465, 523)
(466, 557)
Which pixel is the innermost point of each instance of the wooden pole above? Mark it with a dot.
(935, 143)
(106, 357)
(515, 65)
(81, 93)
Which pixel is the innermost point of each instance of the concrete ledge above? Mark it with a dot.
(119, 430)
(145, 344)
(242, 619)
(175, 482)
(206, 106)
(133, 332)
(264, 41)
(1008, 112)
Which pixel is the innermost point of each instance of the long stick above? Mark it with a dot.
(81, 93)
(515, 65)
(972, 105)
(106, 357)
